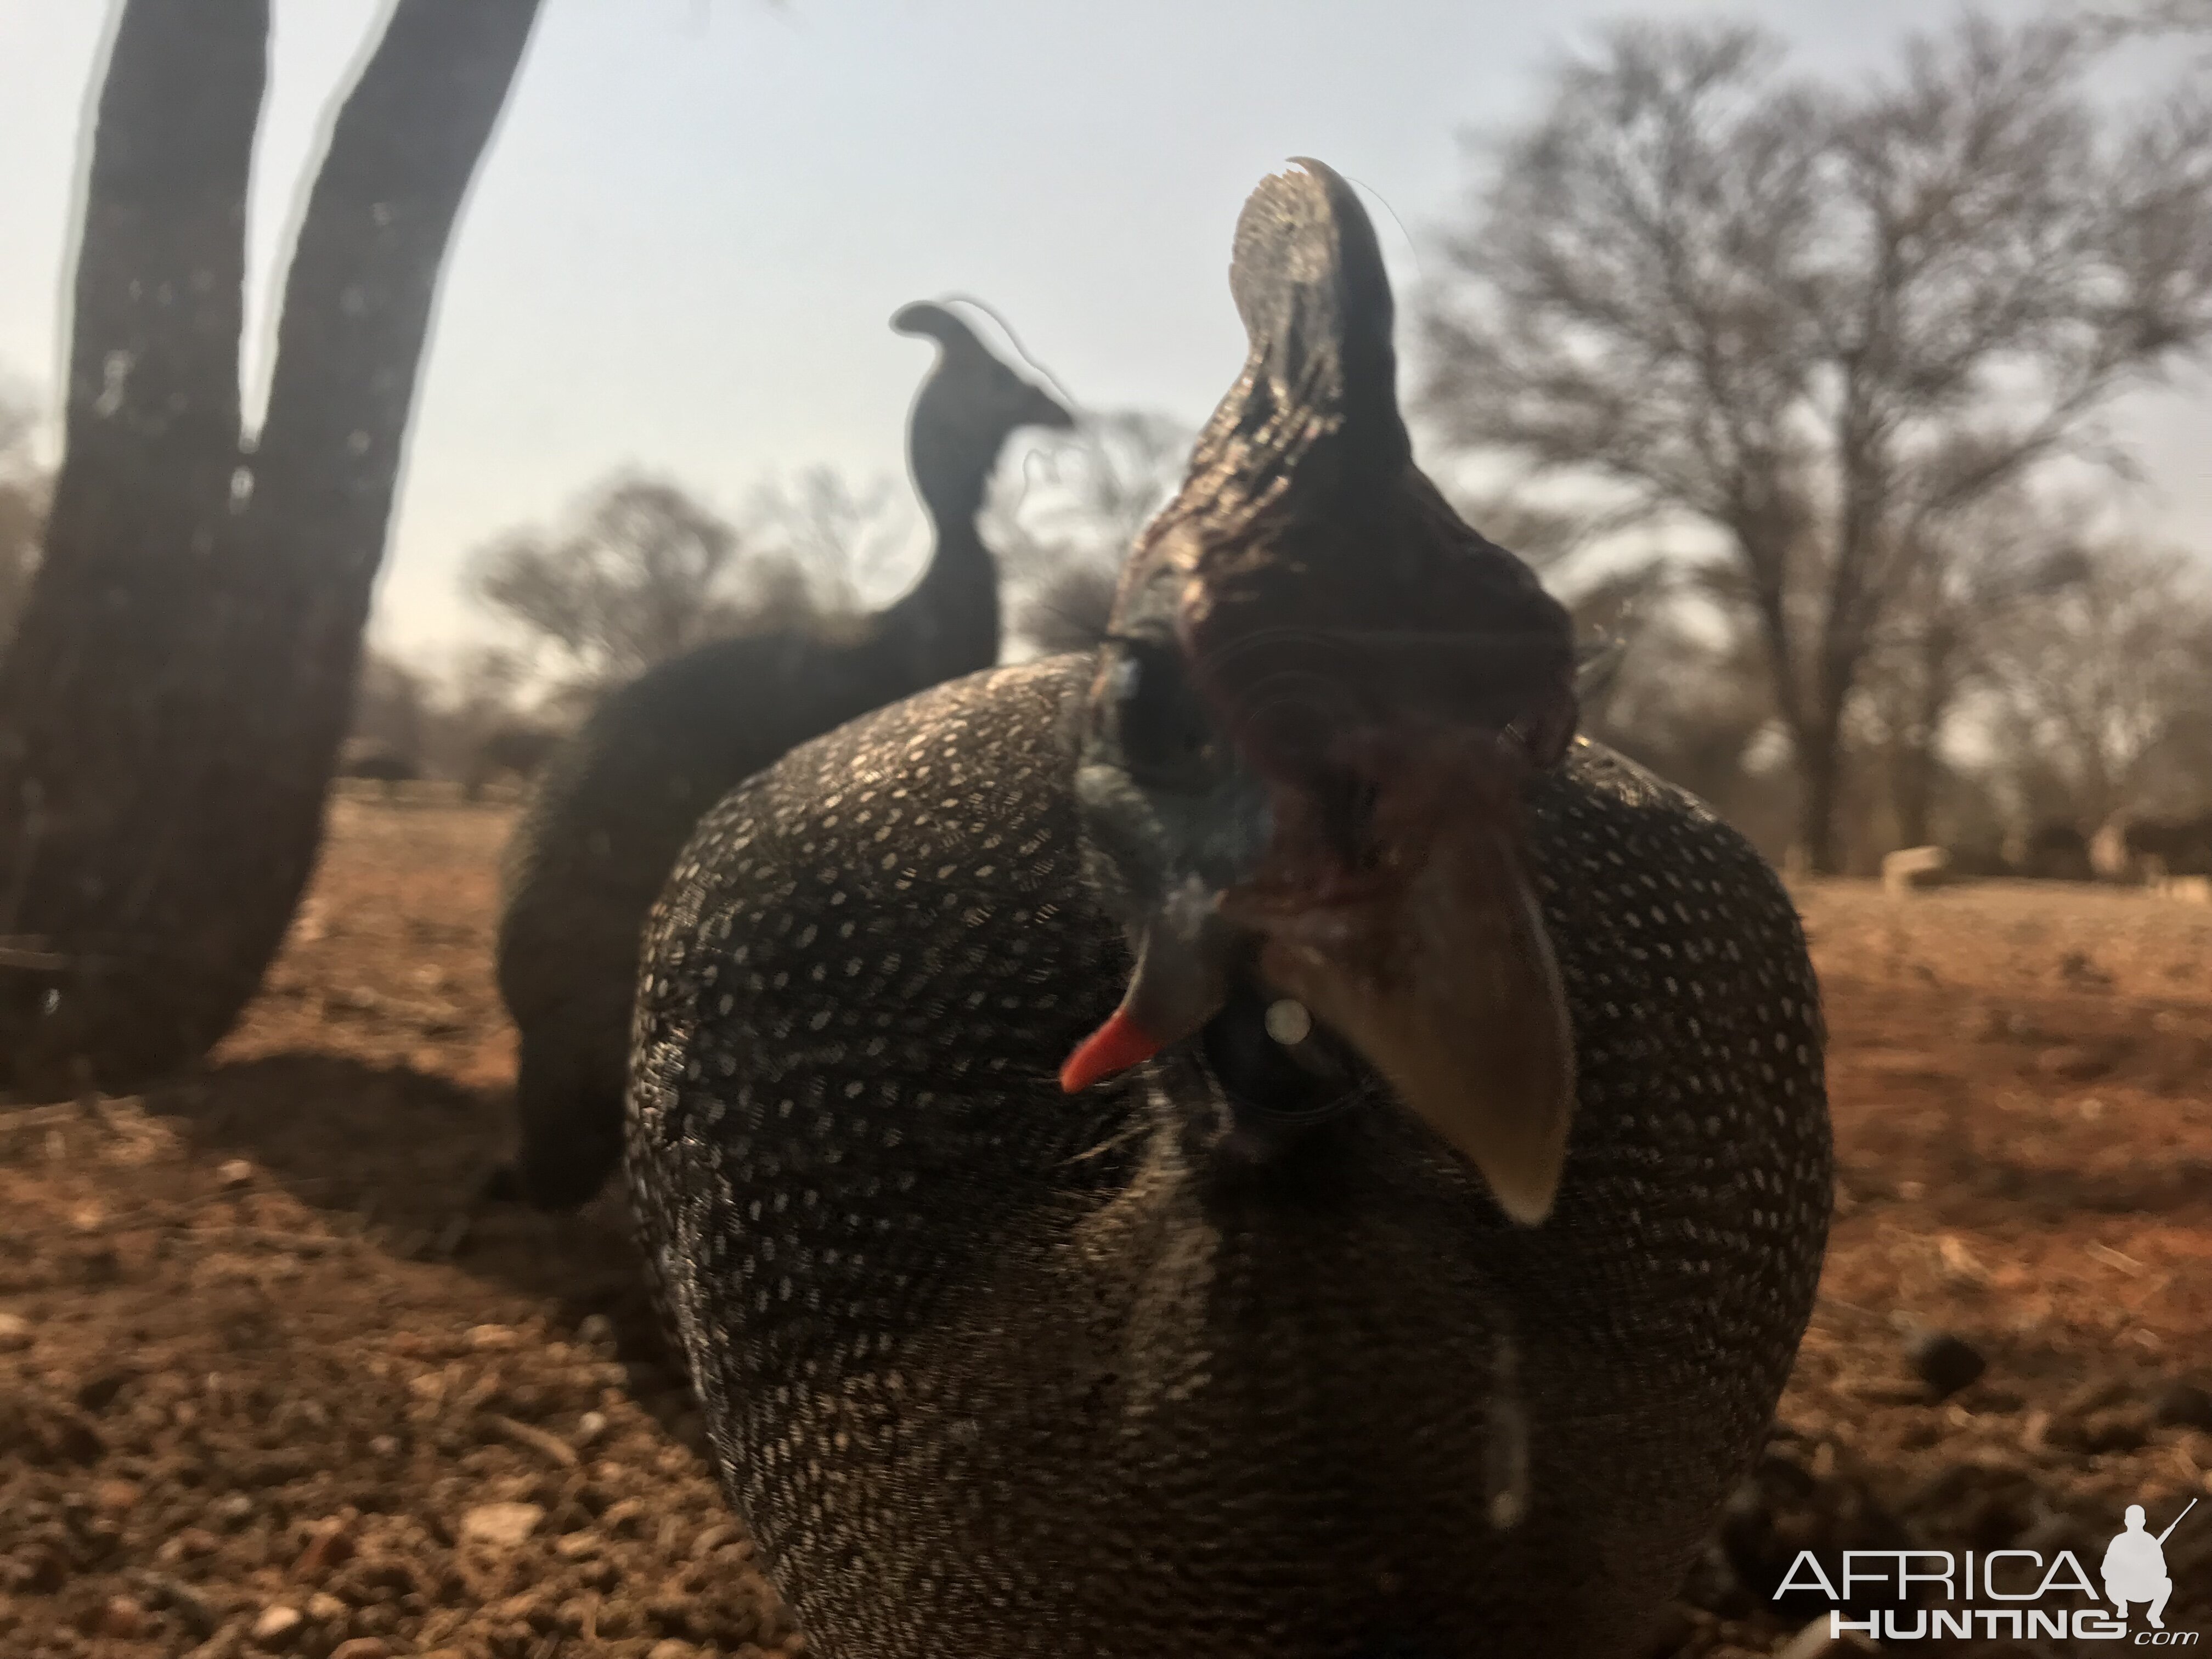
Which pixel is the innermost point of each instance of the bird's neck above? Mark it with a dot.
(950, 617)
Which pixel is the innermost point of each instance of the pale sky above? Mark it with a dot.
(697, 216)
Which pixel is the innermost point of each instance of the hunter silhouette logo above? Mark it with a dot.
(2134, 1566)
(1921, 1594)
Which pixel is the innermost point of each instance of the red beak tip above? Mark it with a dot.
(1114, 1047)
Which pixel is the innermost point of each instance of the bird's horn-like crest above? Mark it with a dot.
(1311, 427)
(1303, 522)
(933, 321)
(1308, 279)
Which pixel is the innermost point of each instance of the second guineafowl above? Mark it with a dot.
(614, 805)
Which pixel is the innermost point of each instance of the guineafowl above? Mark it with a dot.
(1253, 1140)
(615, 802)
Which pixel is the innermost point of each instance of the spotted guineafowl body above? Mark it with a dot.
(1250, 1140)
(992, 1372)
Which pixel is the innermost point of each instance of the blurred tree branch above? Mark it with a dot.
(1061, 541)
(2104, 688)
(642, 572)
(839, 537)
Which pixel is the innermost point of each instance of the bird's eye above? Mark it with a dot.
(1165, 736)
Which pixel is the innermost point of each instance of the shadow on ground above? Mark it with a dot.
(402, 1155)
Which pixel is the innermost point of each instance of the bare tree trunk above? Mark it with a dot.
(1912, 792)
(1820, 780)
(1811, 704)
(1913, 765)
(152, 431)
(170, 714)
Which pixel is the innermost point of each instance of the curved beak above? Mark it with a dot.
(1448, 988)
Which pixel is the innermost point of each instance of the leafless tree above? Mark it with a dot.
(1065, 607)
(833, 536)
(391, 705)
(1061, 533)
(485, 717)
(2152, 17)
(489, 684)
(641, 572)
(183, 672)
(1101, 486)
(1612, 592)
(2104, 687)
(1687, 701)
(1960, 579)
(1821, 321)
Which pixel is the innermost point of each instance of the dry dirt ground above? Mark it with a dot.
(263, 1388)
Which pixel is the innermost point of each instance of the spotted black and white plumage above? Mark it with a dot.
(994, 1372)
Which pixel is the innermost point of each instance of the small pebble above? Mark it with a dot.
(115, 1497)
(362, 1647)
(1945, 1363)
(188, 1545)
(122, 1619)
(590, 1426)
(332, 1546)
(14, 1333)
(185, 1604)
(596, 1330)
(277, 1627)
(236, 1172)
(501, 1525)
